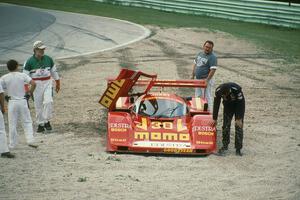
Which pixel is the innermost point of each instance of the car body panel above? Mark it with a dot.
(157, 122)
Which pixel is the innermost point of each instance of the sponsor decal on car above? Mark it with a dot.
(161, 136)
(111, 92)
(119, 127)
(206, 133)
(175, 150)
(158, 144)
(203, 128)
(117, 140)
(161, 125)
(204, 142)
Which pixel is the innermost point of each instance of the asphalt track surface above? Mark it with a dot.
(65, 34)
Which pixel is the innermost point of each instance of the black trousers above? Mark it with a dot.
(236, 108)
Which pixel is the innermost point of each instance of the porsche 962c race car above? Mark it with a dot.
(142, 120)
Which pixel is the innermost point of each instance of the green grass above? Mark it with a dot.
(275, 41)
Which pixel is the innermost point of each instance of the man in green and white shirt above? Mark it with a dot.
(42, 70)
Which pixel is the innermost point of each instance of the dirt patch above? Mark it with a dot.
(71, 163)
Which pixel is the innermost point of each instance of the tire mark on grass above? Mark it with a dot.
(63, 66)
(253, 77)
(126, 59)
(180, 62)
(90, 33)
(178, 58)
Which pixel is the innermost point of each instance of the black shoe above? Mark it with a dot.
(33, 145)
(222, 150)
(48, 126)
(7, 155)
(238, 152)
(40, 129)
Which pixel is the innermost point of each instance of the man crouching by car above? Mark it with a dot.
(234, 104)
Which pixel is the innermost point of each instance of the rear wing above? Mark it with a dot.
(123, 84)
(175, 83)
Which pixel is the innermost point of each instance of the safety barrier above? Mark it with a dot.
(265, 12)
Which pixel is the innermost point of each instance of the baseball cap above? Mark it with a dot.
(39, 45)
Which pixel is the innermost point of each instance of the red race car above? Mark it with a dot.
(143, 121)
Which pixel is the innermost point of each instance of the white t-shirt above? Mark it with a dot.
(13, 83)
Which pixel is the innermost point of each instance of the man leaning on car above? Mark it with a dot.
(234, 104)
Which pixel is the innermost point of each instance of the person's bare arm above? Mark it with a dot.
(33, 86)
(57, 85)
(211, 74)
(193, 72)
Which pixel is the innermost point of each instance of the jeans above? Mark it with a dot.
(238, 110)
(206, 92)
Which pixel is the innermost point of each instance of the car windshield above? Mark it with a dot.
(156, 107)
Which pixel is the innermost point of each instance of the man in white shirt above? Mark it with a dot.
(4, 151)
(14, 83)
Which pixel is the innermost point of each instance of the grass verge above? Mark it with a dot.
(273, 40)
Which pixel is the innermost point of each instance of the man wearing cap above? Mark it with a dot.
(42, 70)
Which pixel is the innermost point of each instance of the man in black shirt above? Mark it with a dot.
(234, 104)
